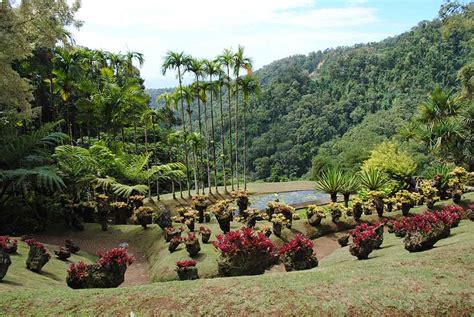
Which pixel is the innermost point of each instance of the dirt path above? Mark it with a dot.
(323, 246)
(136, 274)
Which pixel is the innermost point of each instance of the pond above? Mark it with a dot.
(290, 198)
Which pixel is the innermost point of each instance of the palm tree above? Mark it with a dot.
(175, 139)
(239, 62)
(203, 97)
(196, 142)
(249, 85)
(212, 69)
(226, 60)
(220, 84)
(350, 185)
(178, 61)
(330, 181)
(197, 67)
(187, 94)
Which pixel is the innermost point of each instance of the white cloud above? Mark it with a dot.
(269, 29)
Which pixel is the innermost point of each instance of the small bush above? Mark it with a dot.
(298, 254)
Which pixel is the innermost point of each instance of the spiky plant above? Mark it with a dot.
(373, 179)
(330, 181)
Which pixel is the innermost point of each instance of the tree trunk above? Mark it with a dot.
(230, 132)
(237, 134)
(186, 158)
(135, 136)
(224, 159)
(213, 142)
(146, 138)
(196, 183)
(206, 129)
(200, 165)
(346, 199)
(157, 190)
(334, 197)
(245, 144)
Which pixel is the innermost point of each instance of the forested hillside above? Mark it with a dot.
(335, 105)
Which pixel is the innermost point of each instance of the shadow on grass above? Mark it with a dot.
(7, 282)
(50, 275)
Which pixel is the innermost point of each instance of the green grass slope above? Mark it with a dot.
(53, 275)
(391, 281)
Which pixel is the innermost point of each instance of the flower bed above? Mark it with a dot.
(244, 252)
(423, 231)
(5, 263)
(187, 216)
(109, 271)
(298, 254)
(363, 239)
(143, 216)
(205, 233)
(62, 253)
(38, 256)
(200, 203)
(192, 244)
(8, 245)
(315, 214)
(223, 213)
(187, 270)
(72, 246)
(242, 200)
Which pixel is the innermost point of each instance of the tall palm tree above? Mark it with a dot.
(226, 60)
(212, 69)
(174, 139)
(197, 67)
(178, 61)
(249, 85)
(203, 97)
(239, 62)
(187, 94)
(220, 83)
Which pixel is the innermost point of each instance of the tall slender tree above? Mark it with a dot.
(239, 62)
(249, 85)
(186, 93)
(220, 84)
(226, 60)
(212, 69)
(178, 61)
(197, 67)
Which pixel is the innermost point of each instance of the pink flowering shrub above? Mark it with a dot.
(364, 238)
(38, 255)
(298, 254)
(109, 271)
(117, 256)
(244, 252)
(8, 245)
(187, 270)
(186, 263)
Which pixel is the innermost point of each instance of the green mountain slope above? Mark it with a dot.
(346, 96)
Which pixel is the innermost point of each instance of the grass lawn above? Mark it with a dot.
(391, 281)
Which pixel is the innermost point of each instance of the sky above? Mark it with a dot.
(268, 29)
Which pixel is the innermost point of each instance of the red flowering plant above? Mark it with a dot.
(450, 219)
(192, 244)
(77, 272)
(396, 227)
(205, 233)
(38, 255)
(298, 254)
(423, 223)
(363, 237)
(187, 270)
(186, 263)
(244, 252)
(424, 230)
(8, 245)
(117, 256)
(109, 271)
